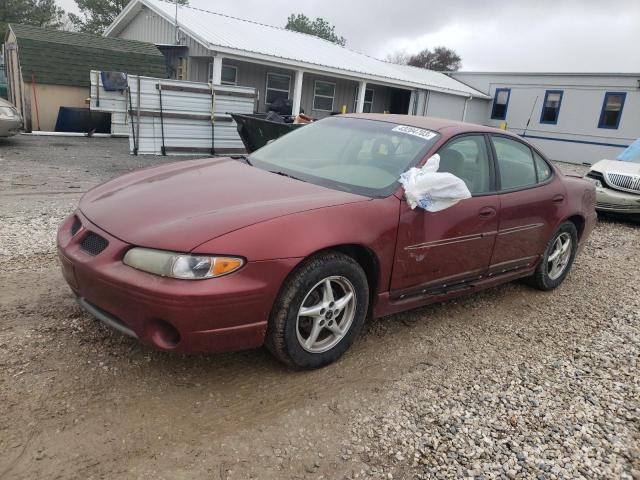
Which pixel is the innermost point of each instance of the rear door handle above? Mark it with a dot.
(558, 198)
(487, 212)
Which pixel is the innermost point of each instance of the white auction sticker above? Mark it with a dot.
(416, 132)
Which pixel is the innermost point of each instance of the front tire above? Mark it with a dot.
(319, 311)
(557, 259)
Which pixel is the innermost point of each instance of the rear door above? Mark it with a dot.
(531, 199)
(454, 245)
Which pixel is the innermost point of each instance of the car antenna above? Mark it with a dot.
(524, 134)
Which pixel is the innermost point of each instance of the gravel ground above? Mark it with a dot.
(508, 383)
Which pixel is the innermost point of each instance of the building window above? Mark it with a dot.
(551, 106)
(368, 100)
(500, 103)
(278, 86)
(612, 109)
(323, 94)
(229, 74)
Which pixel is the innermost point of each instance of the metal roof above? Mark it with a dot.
(232, 35)
(550, 74)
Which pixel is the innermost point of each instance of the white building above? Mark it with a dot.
(579, 118)
(320, 77)
(572, 117)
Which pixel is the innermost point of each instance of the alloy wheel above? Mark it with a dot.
(326, 314)
(559, 256)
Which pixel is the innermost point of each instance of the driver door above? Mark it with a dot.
(454, 245)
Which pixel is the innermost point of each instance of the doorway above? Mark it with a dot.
(399, 101)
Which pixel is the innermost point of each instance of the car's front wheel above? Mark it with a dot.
(319, 311)
(557, 259)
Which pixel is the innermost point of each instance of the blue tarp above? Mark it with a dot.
(631, 153)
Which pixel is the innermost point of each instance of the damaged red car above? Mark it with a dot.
(297, 244)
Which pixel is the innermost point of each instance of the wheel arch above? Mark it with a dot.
(579, 222)
(367, 259)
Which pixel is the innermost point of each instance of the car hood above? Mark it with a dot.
(182, 205)
(616, 166)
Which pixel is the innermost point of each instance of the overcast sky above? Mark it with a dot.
(489, 35)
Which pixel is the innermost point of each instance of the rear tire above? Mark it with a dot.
(319, 312)
(557, 259)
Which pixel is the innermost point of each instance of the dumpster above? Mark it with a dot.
(255, 130)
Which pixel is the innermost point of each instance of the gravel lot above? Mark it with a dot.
(509, 383)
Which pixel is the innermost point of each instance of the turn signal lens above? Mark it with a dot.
(223, 265)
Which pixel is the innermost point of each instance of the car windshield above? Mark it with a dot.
(350, 154)
(631, 153)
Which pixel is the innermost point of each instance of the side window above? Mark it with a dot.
(543, 169)
(466, 157)
(515, 163)
(500, 103)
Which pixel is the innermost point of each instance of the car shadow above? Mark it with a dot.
(623, 218)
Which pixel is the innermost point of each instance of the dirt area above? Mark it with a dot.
(509, 383)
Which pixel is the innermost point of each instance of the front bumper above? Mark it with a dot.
(186, 316)
(11, 127)
(615, 201)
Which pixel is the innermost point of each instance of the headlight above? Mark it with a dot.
(7, 112)
(595, 181)
(181, 265)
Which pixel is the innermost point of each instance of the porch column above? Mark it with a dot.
(297, 93)
(362, 89)
(216, 77)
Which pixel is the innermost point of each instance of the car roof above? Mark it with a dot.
(442, 125)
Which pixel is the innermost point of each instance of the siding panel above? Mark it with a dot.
(445, 106)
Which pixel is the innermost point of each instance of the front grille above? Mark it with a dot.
(76, 225)
(624, 181)
(93, 244)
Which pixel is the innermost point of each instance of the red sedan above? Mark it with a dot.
(295, 245)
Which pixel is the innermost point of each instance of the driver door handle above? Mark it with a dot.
(487, 212)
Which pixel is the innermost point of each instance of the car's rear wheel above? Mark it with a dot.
(319, 311)
(557, 259)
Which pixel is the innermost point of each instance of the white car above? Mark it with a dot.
(10, 119)
(618, 182)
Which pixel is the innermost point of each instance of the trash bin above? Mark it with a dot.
(255, 130)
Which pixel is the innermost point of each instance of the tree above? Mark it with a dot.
(318, 27)
(41, 13)
(401, 57)
(96, 15)
(441, 59)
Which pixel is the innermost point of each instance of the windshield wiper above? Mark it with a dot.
(286, 175)
(243, 158)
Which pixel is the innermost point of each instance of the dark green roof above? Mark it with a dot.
(66, 58)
